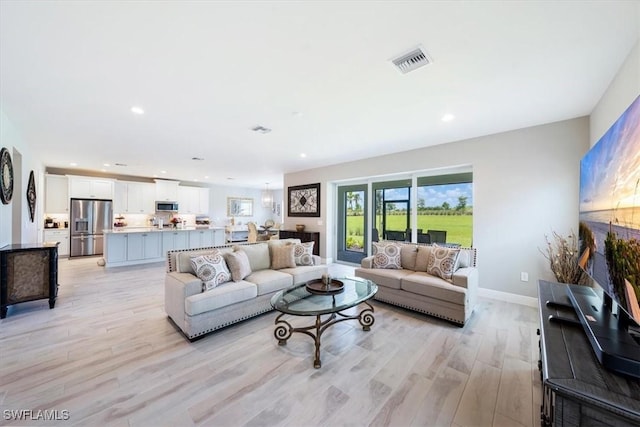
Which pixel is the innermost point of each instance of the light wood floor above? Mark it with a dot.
(108, 355)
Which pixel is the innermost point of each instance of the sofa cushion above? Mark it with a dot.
(282, 256)
(303, 253)
(422, 257)
(442, 262)
(258, 255)
(386, 255)
(433, 287)
(305, 273)
(408, 254)
(211, 269)
(221, 296)
(238, 264)
(382, 277)
(268, 281)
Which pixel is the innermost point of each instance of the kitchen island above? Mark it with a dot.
(141, 245)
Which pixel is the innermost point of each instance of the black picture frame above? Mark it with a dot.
(304, 200)
(31, 196)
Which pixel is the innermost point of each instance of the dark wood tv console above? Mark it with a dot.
(577, 389)
(28, 272)
(304, 236)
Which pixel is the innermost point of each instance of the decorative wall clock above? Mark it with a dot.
(31, 196)
(304, 200)
(6, 176)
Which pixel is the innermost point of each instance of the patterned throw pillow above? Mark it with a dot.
(303, 253)
(239, 266)
(442, 262)
(386, 255)
(211, 269)
(282, 257)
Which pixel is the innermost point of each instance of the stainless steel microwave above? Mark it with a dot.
(166, 206)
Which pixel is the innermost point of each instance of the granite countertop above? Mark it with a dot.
(118, 230)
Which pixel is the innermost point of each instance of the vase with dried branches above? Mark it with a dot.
(562, 254)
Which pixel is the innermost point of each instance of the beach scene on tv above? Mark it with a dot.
(610, 211)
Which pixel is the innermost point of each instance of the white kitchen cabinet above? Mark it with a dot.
(193, 200)
(120, 203)
(61, 236)
(134, 198)
(172, 240)
(56, 199)
(201, 238)
(218, 237)
(143, 246)
(166, 191)
(115, 250)
(91, 188)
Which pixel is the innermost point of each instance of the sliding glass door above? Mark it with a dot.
(352, 223)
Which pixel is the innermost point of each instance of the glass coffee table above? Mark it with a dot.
(299, 301)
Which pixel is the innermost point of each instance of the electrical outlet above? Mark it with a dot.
(524, 276)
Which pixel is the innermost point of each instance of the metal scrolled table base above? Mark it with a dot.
(284, 330)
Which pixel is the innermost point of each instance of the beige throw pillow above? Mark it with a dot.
(442, 262)
(303, 253)
(211, 269)
(238, 265)
(282, 257)
(422, 258)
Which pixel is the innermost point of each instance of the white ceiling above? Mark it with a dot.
(316, 73)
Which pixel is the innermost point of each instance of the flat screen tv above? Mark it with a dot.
(610, 212)
(609, 234)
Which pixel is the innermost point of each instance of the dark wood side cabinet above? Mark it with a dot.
(28, 272)
(304, 236)
(577, 389)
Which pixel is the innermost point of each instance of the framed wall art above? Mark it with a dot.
(239, 206)
(6, 176)
(31, 196)
(304, 200)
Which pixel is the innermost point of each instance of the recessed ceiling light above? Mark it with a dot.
(103, 170)
(73, 164)
(137, 110)
(206, 177)
(303, 155)
(106, 164)
(448, 117)
(163, 171)
(155, 176)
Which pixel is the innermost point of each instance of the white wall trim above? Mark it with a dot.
(508, 297)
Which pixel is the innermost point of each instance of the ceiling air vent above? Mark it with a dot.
(260, 129)
(412, 60)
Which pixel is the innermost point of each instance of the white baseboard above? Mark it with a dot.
(507, 297)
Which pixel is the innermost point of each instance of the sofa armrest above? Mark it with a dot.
(177, 287)
(466, 277)
(367, 262)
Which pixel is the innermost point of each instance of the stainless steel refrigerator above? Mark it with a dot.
(88, 220)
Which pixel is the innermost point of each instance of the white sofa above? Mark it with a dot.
(197, 312)
(411, 286)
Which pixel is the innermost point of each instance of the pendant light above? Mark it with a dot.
(267, 198)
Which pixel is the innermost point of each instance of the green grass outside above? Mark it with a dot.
(459, 227)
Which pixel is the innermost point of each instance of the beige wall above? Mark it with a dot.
(525, 186)
(622, 91)
(15, 225)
